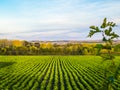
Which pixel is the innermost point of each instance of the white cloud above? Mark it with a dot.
(56, 18)
(32, 35)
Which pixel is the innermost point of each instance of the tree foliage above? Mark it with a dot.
(108, 35)
(106, 30)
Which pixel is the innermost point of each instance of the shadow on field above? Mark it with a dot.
(5, 64)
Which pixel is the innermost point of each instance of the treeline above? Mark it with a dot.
(17, 47)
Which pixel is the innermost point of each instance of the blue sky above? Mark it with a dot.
(55, 19)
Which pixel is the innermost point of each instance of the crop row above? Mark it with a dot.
(52, 73)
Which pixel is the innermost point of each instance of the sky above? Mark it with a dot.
(55, 19)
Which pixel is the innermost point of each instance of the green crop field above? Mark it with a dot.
(53, 73)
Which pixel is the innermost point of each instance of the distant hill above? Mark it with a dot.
(74, 41)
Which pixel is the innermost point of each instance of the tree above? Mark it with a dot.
(106, 30)
(17, 43)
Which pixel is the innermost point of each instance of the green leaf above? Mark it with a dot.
(110, 29)
(114, 35)
(92, 27)
(104, 39)
(114, 24)
(97, 29)
(91, 33)
(106, 32)
(104, 23)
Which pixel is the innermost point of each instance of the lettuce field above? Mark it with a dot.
(53, 73)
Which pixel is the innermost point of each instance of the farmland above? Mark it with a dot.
(53, 73)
